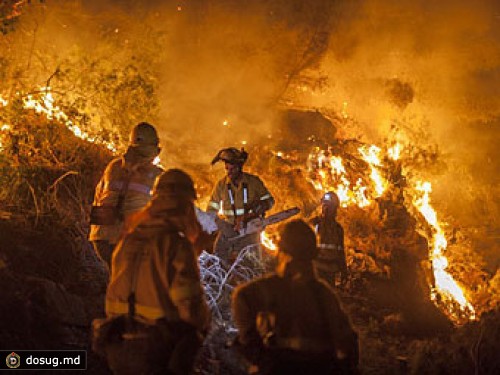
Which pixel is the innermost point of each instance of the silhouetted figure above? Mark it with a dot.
(155, 276)
(124, 188)
(290, 322)
(331, 260)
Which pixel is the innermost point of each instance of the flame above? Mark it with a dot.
(371, 156)
(394, 152)
(3, 102)
(445, 286)
(360, 193)
(266, 241)
(329, 174)
(15, 10)
(44, 104)
(3, 128)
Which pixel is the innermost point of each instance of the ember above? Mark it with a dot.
(324, 95)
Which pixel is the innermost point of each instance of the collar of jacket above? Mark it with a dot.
(244, 178)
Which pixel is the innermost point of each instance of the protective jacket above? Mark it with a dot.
(168, 282)
(131, 176)
(293, 320)
(235, 200)
(331, 257)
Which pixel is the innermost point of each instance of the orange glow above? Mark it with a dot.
(3, 102)
(329, 173)
(394, 152)
(221, 210)
(266, 241)
(371, 156)
(445, 286)
(44, 104)
(3, 128)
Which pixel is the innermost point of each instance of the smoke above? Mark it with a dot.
(222, 69)
(428, 65)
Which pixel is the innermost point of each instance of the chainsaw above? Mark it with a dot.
(233, 239)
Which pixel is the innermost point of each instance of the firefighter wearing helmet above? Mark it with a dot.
(239, 196)
(156, 263)
(124, 189)
(304, 334)
(331, 263)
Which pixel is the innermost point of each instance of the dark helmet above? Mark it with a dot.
(332, 198)
(298, 240)
(231, 155)
(144, 134)
(175, 182)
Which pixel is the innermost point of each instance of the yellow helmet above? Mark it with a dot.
(144, 134)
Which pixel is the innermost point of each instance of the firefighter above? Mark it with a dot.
(124, 188)
(157, 261)
(331, 260)
(239, 196)
(290, 322)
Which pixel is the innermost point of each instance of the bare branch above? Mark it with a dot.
(35, 201)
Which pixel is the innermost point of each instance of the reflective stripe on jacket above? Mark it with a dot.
(276, 312)
(331, 256)
(257, 191)
(168, 282)
(108, 190)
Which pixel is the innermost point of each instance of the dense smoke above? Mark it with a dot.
(426, 66)
(214, 63)
(431, 68)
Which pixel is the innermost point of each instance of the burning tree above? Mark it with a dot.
(61, 118)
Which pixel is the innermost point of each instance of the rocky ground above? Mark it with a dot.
(52, 285)
(50, 297)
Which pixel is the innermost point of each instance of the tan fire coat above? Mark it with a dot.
(168, 282)
(256, 190)
(304, 315)
(142, 178)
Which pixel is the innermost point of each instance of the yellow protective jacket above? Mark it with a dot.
(168, 280)
(256, 192)
(142, 178)
(298, 314)
(330, 235)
